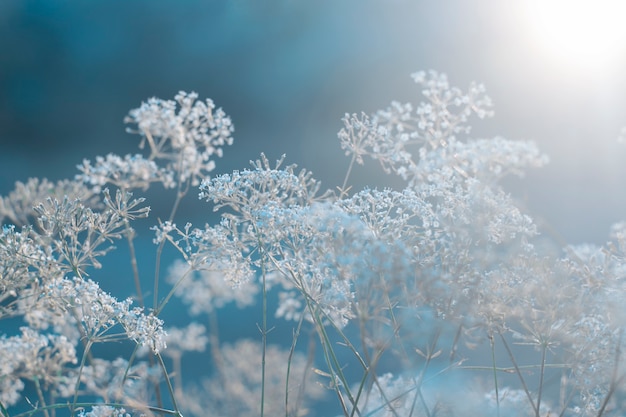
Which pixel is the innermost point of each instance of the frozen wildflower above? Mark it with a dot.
(127, 173)
(421, 145)
(216, 248)
(390, 134)
(124, 206)
(162, 232)
(393, 216)
(248, 190)
(33, 356)
(487, 160)
(361, 136)
(79, 235)
(448, 258)
(98, 312)
(185, 134)
(17, 207)
(22, 261)
(145, 329)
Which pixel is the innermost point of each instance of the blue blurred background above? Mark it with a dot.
(287, 70)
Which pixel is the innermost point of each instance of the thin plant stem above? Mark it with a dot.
(40, 395)
(169, 384)
(296, 335)
(4, 411)
(130, 235)
(263, 329)
(180, 193)
(512, 370)
(80, 371)
(518, 372)
(565, 403)
(343, 191)
(171, 293)
(420, 378)
(329, 354)
(495, 372)
(614, 379)
(455, 343)
(544, 348)
(216, 354)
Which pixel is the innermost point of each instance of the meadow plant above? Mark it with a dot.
(437, 298)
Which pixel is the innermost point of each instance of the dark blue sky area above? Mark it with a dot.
(287, 71)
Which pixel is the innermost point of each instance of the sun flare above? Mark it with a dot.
(579, 34)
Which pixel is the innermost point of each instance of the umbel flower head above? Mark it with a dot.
(184, 139)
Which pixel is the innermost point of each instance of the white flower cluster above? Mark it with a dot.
(390, 134)
(96, 312)
(183, 143)
(186, 138)
(17, 207)
(79, 235)
(21, 262)
(35, 357)
(127, 173)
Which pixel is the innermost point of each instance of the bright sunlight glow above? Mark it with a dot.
(587, 35)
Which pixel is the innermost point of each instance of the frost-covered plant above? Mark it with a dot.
(428, 299)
